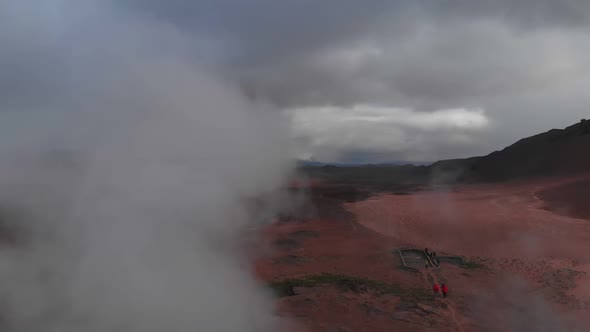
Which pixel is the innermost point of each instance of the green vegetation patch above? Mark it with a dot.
(347, 283)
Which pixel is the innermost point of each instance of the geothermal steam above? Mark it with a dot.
(122, 184)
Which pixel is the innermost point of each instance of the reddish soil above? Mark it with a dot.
(570, 199)
(535, 262)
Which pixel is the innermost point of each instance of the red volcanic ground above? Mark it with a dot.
(569, 199)
(531, 266)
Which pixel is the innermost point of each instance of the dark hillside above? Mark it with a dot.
(557, 151)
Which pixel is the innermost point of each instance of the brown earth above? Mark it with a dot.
(570, 199)
(528, 266)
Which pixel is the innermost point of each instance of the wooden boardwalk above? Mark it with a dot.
(415, 258)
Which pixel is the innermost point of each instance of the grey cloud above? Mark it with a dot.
(387, 135)
(313, 24)
(265, 31)
(525, 67)
(427, 55)
(524, 14)
(437, 67)
(432, 54)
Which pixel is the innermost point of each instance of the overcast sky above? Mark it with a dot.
(376, 80)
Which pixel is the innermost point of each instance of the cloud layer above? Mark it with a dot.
(383, 134)
(523, 62)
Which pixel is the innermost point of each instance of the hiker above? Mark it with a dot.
(426, 251)
(437, 261)
(435, 289)
(445, 290)
(426, 264)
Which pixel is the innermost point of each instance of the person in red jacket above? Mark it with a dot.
(445, 290)
(435, 289)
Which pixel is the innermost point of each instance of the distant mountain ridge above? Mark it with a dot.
(557, 151)
(357, 164)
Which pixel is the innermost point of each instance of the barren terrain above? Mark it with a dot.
(526, 264)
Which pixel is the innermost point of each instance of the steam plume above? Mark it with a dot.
(122, 184)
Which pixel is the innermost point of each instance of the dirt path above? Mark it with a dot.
(432, 278)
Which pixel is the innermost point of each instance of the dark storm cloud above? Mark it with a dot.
(426, 54)
(262, 31)
(524, 63)
(523, 13)
(266, 30)
(431, 65)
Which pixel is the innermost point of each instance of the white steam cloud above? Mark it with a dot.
(122, 187)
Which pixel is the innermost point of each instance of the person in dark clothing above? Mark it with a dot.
(445, 290)
(426, 264)
(426, 251)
